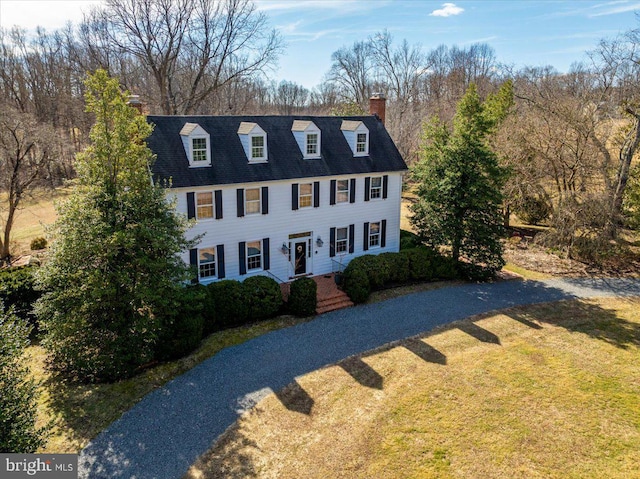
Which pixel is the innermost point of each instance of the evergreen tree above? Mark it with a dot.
(459, 182)
(114, 264)
(18, 431)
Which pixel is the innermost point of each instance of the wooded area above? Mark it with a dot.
(569, 142)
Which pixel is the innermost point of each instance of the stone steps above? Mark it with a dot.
(333, 303)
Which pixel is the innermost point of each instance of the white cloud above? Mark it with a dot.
(610, 9)
(447, 10)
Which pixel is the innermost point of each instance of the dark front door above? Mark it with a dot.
(301, 258)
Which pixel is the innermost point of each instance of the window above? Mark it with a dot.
(199, 149)
(306, 195)
(207, 262)
(257, 148)
(374, 234)
(252, 201)
(342, 240)
(376, 187)
(342, 191)
(254, 255)
(361, 143)
(204, 205)
(312, 144)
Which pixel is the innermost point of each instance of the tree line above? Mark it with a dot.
(568, 144)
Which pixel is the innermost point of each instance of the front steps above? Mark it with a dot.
(330, 298)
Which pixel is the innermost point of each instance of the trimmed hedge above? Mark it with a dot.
(303, 297)
(409, 240)
(182, 324)
(355, 283)
(264, 297)
(369, 272)
(225, 305)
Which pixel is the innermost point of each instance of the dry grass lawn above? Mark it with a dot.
(34, 214)
(549, 391)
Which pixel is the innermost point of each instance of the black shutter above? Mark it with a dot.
(383, 234)
(265, 200)
(220, 260)
(365, 237)
(352, 191)
(352, 232)
(218, 195)
(385, 185)
(294, 196)
(316, 194)
(265, 254)
(240, 201)
(242, 255)
(191, 205)
(193, 261)
(332, 193)
(367, 188)
(332, 242)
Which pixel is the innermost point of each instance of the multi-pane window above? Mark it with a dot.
(376, 187)
(312, 144)
(252, 201)
(207, 262)
(305, 195)
(199, 149)
(257, 147)
(204, 205)
(342, 240)
(342, 191)
(361, 143)
(254, 255)
(374, 234)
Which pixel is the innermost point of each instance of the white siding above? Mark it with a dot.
(282, 221)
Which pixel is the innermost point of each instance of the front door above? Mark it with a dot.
(300, 266)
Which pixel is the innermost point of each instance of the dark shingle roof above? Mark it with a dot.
(229, 163)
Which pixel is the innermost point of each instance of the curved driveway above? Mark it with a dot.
(166, 431)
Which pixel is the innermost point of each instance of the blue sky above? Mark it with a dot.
(522, 32)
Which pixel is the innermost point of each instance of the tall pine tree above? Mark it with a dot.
(459, 182)
(114, 264)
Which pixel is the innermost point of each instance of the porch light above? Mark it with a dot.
(319, 242)
(284, 249)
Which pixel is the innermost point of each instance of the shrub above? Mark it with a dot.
(409, 240)
(182, 324)
(420, 263)
(355, 283)
(18, 394)
(17, 291)
(376, 268)
(303, 297)
(533, 209)
(38, 243)
(225, 305)
(264, 297)
(398, 264)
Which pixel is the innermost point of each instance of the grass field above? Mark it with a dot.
(34, 214)
(549, 391)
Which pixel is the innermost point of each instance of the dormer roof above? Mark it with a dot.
(229, 163)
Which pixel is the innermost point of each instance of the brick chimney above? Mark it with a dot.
(377, 106)
(135, 102)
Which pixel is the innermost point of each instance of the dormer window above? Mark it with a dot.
(357, 135)
(308, 137)
(254, 142)
(257, 148)
(199, 149)
(312, 144)
(196, 142)
(361, 143)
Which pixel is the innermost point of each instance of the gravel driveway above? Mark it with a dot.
(164, 433)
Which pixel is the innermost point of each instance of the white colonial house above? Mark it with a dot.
(283, 196)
